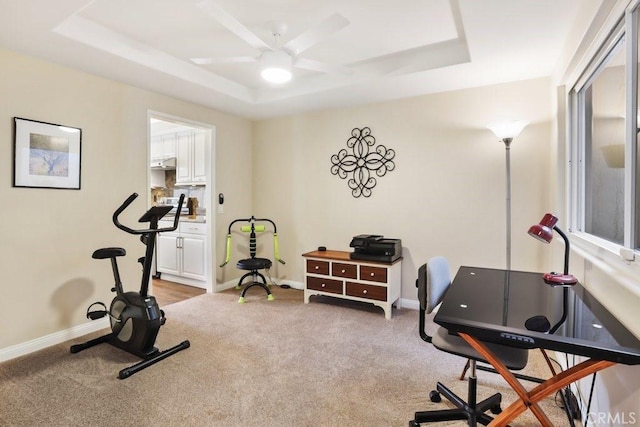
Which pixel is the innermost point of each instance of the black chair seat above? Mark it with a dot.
(108, 253)
(254, 264)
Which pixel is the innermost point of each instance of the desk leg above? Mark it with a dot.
(527, 402)
(554, 384)
(529, 399)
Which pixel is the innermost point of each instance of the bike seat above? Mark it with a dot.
(108, 253)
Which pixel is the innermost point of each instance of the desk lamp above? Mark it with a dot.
(544, 232)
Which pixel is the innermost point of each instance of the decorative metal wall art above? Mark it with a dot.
(362, 161)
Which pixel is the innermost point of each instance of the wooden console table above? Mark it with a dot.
(335, 274)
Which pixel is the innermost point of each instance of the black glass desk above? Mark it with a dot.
(485, 304)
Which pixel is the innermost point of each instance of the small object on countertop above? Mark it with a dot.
(322, 248)
(192, 205)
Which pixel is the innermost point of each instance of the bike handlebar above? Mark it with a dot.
(129, 230)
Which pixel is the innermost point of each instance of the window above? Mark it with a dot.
(605, 121)
(603, 105)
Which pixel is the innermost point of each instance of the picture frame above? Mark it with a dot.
(46, 155)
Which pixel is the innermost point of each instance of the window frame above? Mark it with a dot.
(621, 28)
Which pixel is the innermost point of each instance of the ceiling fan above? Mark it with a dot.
(276, 60)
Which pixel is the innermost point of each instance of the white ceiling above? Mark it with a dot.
(381, 50)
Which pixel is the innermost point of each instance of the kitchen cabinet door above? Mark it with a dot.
(198, 157)
(167, 254)
(183, 157)
(193, 263)
(169, 145)
(156, 148)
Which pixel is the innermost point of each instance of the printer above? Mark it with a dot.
(373, 247)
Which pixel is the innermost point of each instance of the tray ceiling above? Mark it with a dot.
(369, 50)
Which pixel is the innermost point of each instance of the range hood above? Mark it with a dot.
(165, 164)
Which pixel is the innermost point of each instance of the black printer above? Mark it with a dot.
(373, 247)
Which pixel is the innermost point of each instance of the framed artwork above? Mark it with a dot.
(46, 155)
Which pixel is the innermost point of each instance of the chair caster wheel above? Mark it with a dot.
(434, 396)
(495, 410)
(413, 423)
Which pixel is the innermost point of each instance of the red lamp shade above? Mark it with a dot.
(544, 230)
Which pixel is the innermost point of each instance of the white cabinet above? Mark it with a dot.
(163, 146)
(191, 157)
(192, 243)
(167, 253)
(181, 254)
(335, 274)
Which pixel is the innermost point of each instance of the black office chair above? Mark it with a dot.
(434, 279)
(253, 264)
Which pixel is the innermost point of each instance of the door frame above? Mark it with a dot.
(210, 162)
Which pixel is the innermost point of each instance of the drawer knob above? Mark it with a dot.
(343, 270)
(323, 285)
(364, 292)
(317, 267)
(373, 274)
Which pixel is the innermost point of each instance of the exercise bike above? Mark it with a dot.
(134, 316)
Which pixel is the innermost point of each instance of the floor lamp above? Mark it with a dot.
(506, 131)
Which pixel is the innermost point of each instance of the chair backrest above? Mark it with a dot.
(438, 279)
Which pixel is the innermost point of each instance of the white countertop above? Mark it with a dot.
(187, 218)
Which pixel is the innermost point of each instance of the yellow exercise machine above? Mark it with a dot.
(253, 264)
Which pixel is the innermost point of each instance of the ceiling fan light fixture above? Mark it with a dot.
(276, 66)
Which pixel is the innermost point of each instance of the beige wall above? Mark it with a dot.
(47, 236)
(446, 195)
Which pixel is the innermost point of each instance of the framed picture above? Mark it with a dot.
(46, 155)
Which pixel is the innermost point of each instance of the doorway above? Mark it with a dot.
(181, 161)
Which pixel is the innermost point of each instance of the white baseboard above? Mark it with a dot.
(294, 285)
(28, 347)
(184, 280)
(410, 303)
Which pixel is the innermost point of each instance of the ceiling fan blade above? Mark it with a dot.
(317, 33)
(232, 24)
(323, 67)
(228, 60)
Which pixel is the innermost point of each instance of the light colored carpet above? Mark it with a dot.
(277, 363)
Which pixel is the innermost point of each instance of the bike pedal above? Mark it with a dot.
(97, 314)
(94, 315)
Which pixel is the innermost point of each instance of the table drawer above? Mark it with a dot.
(373, 274)
(366, 291)
(317, 267)
(349, 271)
(325, 285)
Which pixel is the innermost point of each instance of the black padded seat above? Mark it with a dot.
(254, 264)
(108, 253)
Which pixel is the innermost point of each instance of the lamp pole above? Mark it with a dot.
(507, 149)
(506, 131)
